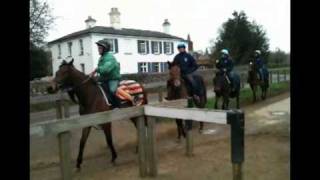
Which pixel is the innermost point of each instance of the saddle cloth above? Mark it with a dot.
(133, 88)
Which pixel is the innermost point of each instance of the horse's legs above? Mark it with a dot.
(108, 134)
(180, 128)
(216, 103)
(238, 103)
(253, 87)
(84, 137)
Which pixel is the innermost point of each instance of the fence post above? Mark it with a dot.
(236, 121)
(278, 76)
(141, 146)
(151, 147)
(64, 141)
(160, 93)
(189, 139)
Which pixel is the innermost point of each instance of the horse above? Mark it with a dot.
(90, 100)
(177, 89)
(254, 82)
(222, 88)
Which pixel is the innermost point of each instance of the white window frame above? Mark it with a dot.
(169, 46)
(157, 44)
(144, 67)
(144, 42)
(158, 66)
(59, 51)
(81, 47)
(70, 48)
(112, 45)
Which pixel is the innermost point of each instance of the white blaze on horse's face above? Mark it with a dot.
(177, 83)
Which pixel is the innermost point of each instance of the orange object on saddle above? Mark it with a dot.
(131, 87)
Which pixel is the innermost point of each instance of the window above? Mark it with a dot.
(168, 47)
(156, 47)
(82, 67)
(59, 51)
(143, 47)
(70, 48)
(81, 47)
(155, 67)
(142, 67)
(113, 45)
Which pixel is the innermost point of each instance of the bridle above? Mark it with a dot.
(73, 88)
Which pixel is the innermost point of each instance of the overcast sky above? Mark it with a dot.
(200, 18)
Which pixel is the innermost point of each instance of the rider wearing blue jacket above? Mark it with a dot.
(260, 64)
(225, 64)
(188, 67)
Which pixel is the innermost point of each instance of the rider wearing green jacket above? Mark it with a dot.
(108, 70)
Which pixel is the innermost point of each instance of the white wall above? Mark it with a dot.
(129, 62)
(127, 55)
(86, 58)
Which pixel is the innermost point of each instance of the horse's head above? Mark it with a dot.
(62, 77)
(175, 82)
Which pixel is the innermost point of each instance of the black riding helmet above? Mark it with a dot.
(104, 43)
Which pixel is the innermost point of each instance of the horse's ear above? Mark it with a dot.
(71, 62)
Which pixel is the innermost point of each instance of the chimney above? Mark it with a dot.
(90, 22)
(190, 44)
(115, 18)
(166, 26)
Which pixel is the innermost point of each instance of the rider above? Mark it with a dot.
(225, 65)
(259, 64)
(188, 66)
(109, 73)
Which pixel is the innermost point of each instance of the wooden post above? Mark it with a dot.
(151, 147)
(64, 142)
(236, 171)
(236, 121)
(65, 155)
(278, 76)
(141, 146)
(189, 139)
(160, 95)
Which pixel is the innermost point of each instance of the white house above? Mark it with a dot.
(138, 51)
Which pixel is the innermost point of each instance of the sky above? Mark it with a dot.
(201, 19)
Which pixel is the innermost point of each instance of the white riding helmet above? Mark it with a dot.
(258, 52)
(225, 51)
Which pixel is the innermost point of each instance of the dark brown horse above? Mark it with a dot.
(176, 89)
(222, 88)
(90, 99)
(254, 81)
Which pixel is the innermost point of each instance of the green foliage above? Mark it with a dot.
(241, 38)
(40, 63)
(278, 58)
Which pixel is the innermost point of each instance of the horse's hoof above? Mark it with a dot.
(78, 169)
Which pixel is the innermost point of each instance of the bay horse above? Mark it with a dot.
(222, 88)
(254, 82)
(90, 100)
(177, 89)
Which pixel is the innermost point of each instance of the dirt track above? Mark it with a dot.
(267, 150)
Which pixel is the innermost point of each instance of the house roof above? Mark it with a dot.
(123, 31)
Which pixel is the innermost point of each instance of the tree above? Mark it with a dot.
(278, 58)
(40, 63)
(40, 22)
(241, 38)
